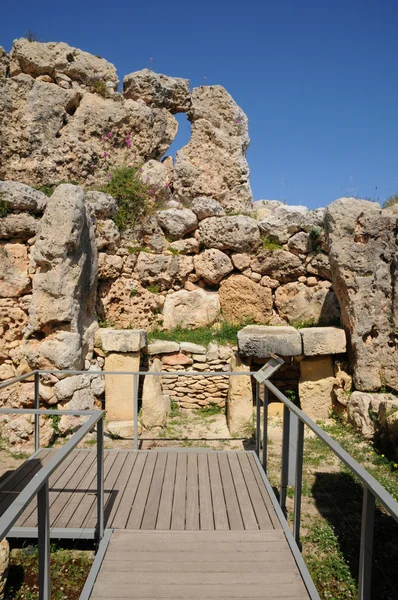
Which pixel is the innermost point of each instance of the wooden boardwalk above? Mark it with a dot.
(186, 524)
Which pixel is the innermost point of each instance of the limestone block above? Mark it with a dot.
(259, 340)
(193, 348)
(240, 298)
(14, 280)
(123, 429)
(240, 397)
(155, 406)
(191, 309)
(162, 347)
(316, 386)
(358, 414)
(177, 359)
(119, 389)
(323, 340)
(122, 340)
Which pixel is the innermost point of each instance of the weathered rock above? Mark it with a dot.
(4, 545)
(323, 340)
(156, 176)
(388, 406)
(237, 233)
(123, 429)
(207, 207)
(60, 350)
(263, 208)
(240, 398)
(13, 320)
(102, 206)
(4, 62)
(177, 222)
(56, 58)
(107, 235)
(157, 90)
(186, 246)
(319, 265)
(363, 256)
(14, 225)
(193, 348)
(297, 302)
(191, 309)
(119, 389)
(278, 264)
(155, 406)
(65, 388)
(14, 280)
(213, 163)
(258, 340)
(316, 386)
(113, 340)
(300, 243)
(242, 298)
(162, 271)
(241, 261)
(313, 218)
(179, 358)
(359, 410)
(212, 265)
(18, 196)
(162, 347)
(283, 222)
(109, 265)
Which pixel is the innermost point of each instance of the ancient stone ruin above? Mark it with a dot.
(77, 291)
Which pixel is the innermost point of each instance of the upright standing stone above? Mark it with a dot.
(119, 389)
(240, 398)
(316, 386)
(155, 405)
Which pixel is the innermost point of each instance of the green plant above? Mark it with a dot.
(246, 429)
(4, 208)
(268, 244)
(133, 292)
(55, 419)
(210, 409)
(104, 323)
(291, 395)
(315, 236)
(174, 251)
(391, 200)
(48, 188)
(98, 86)
(303, 324)
(31, 36)
(175, 409)
(223, 333)
(70, 57)
(154, 289)
(131, 194)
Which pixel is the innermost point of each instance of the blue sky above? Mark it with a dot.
(317, 79)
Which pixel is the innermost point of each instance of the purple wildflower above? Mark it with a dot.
(106, 155)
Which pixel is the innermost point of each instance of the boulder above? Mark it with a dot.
(113, 340)
(156, 177)
(300, 243)
(363, 257)
(101, 205)
(192, 348)
(213, 163)
(278, 264)
(178, 358)
(177, 222)
(259, 340)
(157, 90)
(241, 261)
(316, 386)
(65, 388)
(162, 271)
(212, 265)
(296, 302)
(14, 280)
(109, 265)
(238, 233)
(242, 298)
(59, 350)
(359, 414)
(14, 225)
(388, 407)
(191, 309)
(240, 398)
(57, 58)
(18, 196)
(313, 218)
(162, 347)
(119, 389)
(283, 222)
(107, 235)
(319, 265)
(4, 62)
(155, 405)
(323, 340)
(207, 207)
(186, 246)
(123, 429)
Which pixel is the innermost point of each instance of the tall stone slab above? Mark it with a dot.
(240, 398)
(363, 257)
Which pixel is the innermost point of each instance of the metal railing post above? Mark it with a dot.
(265, 426)
(37, 406)
(366, 545)
(135, 410)
(43, 516)
(100, 481)
(258, 419)
(298, 481)
(285, 458)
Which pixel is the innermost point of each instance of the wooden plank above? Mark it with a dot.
(121, 517)
(87, 511)
(120, 487)
(57, 483)
(66, 503)
(152, 504)
(231, 500)
(134, 576)
(259, 506)
(192, 504)
(166, 500)
(179, 501)
(263, 491)
(205, 503)
(171, 545)
(138, 507)
(106, 589)
(217, 493)
(205, 566)
(156, 555)
(242, 494)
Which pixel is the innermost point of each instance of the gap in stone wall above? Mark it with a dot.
(183, 135)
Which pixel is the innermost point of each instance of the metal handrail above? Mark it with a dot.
(39, 486)
(372, 488)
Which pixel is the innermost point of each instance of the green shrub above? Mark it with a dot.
(98, 86)
(4, 208)
(391, 200)
(224, 333)
(49, 188)
(131, 195)
(268, 244)
(316, 234)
